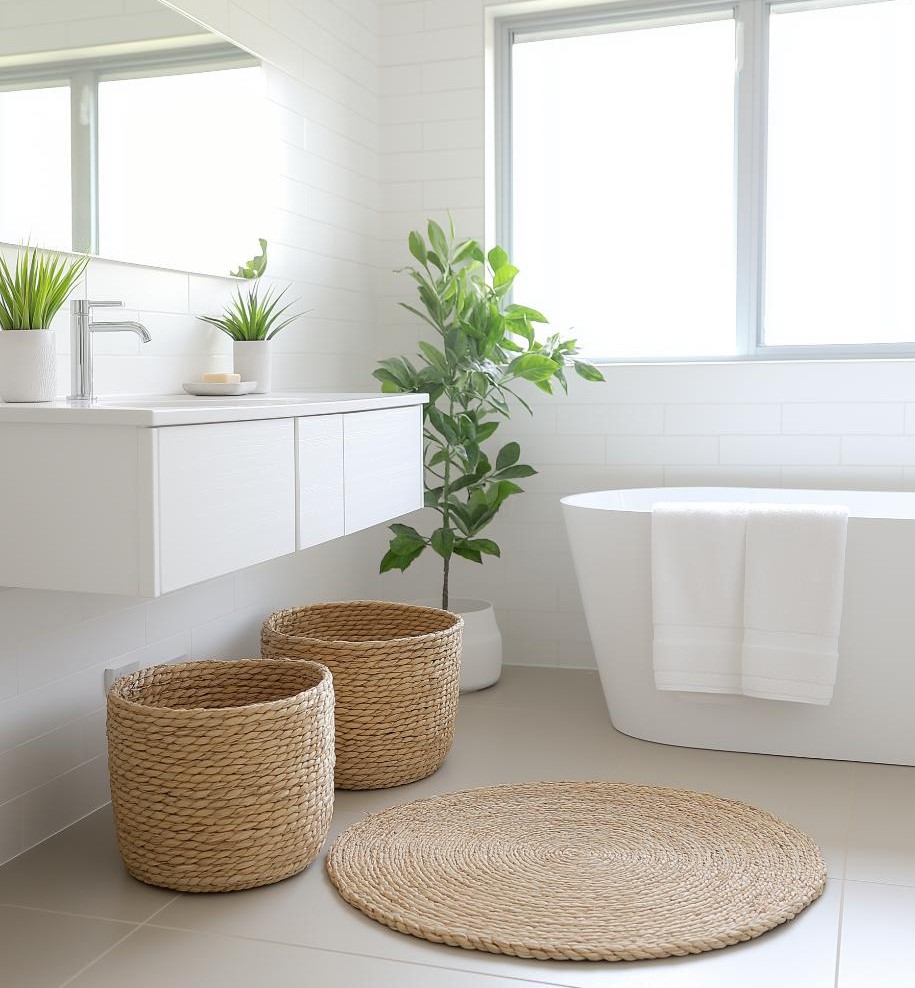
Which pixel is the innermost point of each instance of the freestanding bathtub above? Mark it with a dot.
(872, 715)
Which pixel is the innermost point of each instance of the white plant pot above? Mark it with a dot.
(251, 359)
(481, 658)
(28, 365)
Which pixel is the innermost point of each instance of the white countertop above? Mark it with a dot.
(158, 410)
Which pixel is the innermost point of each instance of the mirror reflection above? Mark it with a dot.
(137, 136)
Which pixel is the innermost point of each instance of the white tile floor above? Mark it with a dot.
(69, 914)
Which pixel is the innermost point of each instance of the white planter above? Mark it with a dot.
(481, 658)
(251, 359)
(28, 365)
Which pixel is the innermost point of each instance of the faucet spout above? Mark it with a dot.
(128, 326)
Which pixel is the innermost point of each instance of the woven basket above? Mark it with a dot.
(396, 674)
(221, 772)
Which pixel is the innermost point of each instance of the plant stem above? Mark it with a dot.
(446, 509)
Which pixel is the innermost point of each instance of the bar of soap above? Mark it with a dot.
(222, 378)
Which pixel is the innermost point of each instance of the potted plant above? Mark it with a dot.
(485, 347)
(252, 320)
(32, 291)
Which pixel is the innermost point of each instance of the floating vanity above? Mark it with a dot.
(145, 496)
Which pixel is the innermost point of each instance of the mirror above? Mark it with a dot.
(137, 136)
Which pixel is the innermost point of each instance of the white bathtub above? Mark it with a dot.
(872, 715)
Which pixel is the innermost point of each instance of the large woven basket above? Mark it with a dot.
(396, 674)
(221, 772)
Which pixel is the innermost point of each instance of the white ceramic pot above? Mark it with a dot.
(251, 359)
(481, 658)
(28, 365)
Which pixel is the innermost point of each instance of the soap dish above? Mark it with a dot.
(207, 390)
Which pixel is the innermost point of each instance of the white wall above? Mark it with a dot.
(323, 88)
(842, 424)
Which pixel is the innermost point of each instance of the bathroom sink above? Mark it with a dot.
(159, 410)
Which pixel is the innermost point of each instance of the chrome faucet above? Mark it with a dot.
(81, 329)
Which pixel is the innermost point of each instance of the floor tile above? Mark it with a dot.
(575, 691)
(881, 841)
(79, 871)
(811, 794)
(154, 958)
(524, 743)
(306, 910)
(877, 924)
(537, 724)
(41, 949)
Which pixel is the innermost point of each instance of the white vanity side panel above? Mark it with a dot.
(319, 491)
(148, 512)
(226, 498)
(69, 508)
(383, 453)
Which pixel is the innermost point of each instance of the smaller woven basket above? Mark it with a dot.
(221, 772)
(396, 671)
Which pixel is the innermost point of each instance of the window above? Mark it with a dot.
(731, 178)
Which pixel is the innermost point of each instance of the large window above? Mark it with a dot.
(714, 179)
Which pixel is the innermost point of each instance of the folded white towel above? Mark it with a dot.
(697, 577)
(795, 568)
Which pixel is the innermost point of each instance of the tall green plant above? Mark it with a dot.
(486, 346)
(33, 290)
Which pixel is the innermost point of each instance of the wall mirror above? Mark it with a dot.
(137, 135)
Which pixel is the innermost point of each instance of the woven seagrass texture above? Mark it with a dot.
(396, 674)
(221, 772)
(578, 870)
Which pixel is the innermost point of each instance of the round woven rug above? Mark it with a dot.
(578, 870)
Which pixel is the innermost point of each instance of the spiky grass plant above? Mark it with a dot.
(35, 287)
(249, 317)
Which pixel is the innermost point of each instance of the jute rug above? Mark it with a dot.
(578, 870)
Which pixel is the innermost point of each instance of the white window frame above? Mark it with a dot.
(82, 76)
(750, 108)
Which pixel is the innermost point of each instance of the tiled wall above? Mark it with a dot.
(322, 83)
(795, 424)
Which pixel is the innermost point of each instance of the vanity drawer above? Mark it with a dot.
(226, 498)
(383, 465)
(319, 492)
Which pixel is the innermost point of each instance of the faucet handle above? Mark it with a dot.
(96, 305)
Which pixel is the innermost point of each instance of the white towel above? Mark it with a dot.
(697, 577)
(795, 568)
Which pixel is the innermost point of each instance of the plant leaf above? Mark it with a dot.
(417, 246)
(442, 542)
(508, 455)
(588, 371)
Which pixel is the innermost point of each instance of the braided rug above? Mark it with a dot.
(578, 870)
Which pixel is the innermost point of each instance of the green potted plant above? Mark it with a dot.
(252, 319)
(32, 290)
(485, 347)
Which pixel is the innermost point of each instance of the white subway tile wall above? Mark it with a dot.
(322, 83)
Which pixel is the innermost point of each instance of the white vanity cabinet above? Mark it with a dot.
(383, 465)
(226, 496)
(155, 499)
(357, 470)
(320, 483)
